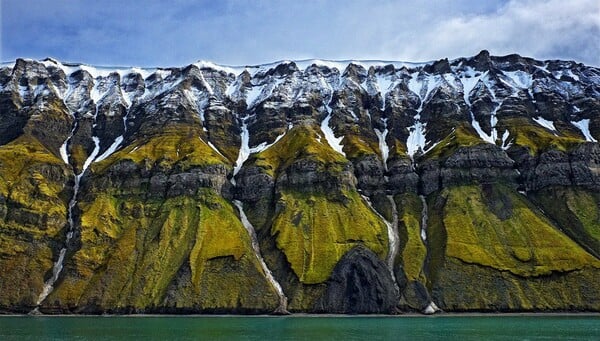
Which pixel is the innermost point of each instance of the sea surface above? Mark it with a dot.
(303, 327)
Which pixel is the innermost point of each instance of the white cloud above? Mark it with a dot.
(240, 32)
(542, 29)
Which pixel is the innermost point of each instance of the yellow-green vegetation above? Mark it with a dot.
(536, 138)
(314, 232)
(132, 251)
(223, 235)
(412, 249)
(462, 136)
(473, 287)
(78, 156)
(525, 244)
(523, 132)
(398, 148)
(355, 146)
(32, 214)
(301, 142)
(177, 144)
(587, 208)
(183, 252)
(24, 169)
(577, 211)
(224, 270)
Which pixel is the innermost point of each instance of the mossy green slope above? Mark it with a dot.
(523, 132)
(463, 135)
(33, 196)
(312, 227)
(301, 142)
(131, 254)
(576, 211)
(526, 133)
(478, 236)
(412, 249)
(514, 256)
(177, 145)
(315, 232)
(154, 252)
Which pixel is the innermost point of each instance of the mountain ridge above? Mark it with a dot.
(363, 190)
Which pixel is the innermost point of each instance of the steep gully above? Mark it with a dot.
(392, 227)
(96, 96)
(244, 153)
(432, 307)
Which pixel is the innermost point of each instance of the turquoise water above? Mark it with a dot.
(492, 327)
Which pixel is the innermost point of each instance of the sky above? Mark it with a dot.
(244, 32)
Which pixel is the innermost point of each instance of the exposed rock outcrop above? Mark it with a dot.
(360, 283)
(126, 189)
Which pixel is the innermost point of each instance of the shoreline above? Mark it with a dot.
(309, 315)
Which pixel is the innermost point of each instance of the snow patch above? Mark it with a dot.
(92, 156)
(203, 64)
(232, 88)
(505, 143)
(113, 148)
(264, 146)
(383, 146)
(572, 75)
(393, 241)
(519, 79)
(56, 270)
(213, 147)
(334, 142)
(244, 152)
(63, 150)
(584, 126)
(341, 65)
(424, 218)
(470, 82)
(416, 139)
(545, 123)
(422, 85)
(252, 94)
(482, 134)
(432, 308)
(245, 149)
(384, 83)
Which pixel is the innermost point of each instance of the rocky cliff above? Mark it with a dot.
(309, 186)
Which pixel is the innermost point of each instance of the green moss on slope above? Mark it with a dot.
(462, 136)
(132, 250)
(179, 145)
(523, 132)
(586, 206)
(484, 260)
(526, 133)
(472, 287)
(412, 249)
(301, 142)
(314, 232)
(147, 253)
(478, 236)
(32, 217)
(576, 210)
(355, 146)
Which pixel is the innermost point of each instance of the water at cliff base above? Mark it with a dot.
(490, 327)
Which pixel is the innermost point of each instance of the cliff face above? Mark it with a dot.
(313, 186)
